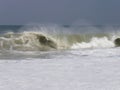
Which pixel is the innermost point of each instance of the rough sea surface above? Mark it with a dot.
(67, 58)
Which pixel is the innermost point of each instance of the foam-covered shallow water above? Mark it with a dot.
(36, 59)
(21, 55)
(83, 69)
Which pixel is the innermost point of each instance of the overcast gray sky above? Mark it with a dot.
(60, 11)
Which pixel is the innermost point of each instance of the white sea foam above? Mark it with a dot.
(103, 42)
(96, 69)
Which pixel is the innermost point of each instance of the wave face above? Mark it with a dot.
(42, 38)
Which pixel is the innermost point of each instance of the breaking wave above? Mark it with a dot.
(42, 38)
(103, 42)
(38, 41)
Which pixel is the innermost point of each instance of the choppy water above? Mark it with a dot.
(19, 42)
(52, 57)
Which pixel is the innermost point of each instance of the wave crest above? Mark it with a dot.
(27, 41)
(38, 41)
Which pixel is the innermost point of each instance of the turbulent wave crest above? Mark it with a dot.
(27, 41)
(103, 42)
(39, 41)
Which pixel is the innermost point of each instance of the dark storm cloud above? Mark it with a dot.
(59, 11)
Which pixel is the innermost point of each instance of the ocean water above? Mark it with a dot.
(54, 57)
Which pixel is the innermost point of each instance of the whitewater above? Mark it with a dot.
(56, 57)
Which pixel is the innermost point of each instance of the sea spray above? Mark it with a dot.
(103, 42)
(55, 37)
(40, 41)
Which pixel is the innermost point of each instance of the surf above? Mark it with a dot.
(45, 38)
(38, 41)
